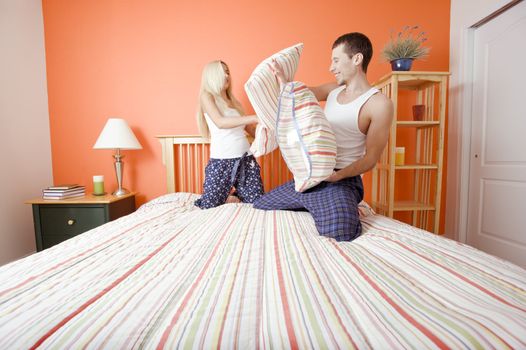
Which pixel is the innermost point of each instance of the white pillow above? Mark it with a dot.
(262, 89)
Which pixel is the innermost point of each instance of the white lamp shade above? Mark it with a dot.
(117, 134)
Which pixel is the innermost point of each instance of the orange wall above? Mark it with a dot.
(142, 61)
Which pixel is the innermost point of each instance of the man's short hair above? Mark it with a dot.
(356, 43)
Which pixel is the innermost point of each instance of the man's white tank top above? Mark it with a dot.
(343, 118)
(227, 143)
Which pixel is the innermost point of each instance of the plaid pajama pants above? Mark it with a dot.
(222, 174)
(333, 205)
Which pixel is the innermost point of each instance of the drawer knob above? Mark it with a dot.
(71, 222)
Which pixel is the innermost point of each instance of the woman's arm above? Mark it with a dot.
(209, 107)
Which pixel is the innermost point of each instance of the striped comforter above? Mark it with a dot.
(173, 276)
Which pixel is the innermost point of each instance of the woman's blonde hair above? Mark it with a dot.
(213, 82)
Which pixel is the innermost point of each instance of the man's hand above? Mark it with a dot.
(335, 177)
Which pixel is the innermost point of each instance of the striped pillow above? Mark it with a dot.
(262, 89)
(264, 141)
(305, 137)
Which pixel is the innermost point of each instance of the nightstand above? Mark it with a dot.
(58, 220)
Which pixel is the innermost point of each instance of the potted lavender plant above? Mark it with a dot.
(405, 47)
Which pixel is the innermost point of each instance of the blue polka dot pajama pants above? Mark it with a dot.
(222, 174)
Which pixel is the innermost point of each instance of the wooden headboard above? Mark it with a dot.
(186, 156)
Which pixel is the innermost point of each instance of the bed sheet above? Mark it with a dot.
(173, 276)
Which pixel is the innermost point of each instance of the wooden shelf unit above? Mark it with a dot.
(424, 143)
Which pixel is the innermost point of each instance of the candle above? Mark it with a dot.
(98, 185)
(400, 156)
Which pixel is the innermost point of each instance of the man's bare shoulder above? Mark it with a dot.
(380, 106)
(380, 100)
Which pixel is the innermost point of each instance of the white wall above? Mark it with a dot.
(24, 124)
(464, 14)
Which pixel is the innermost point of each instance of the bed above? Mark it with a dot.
(173, 276)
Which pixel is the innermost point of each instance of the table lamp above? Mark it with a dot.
(117, 135)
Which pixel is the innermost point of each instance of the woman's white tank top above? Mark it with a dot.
(227, 143)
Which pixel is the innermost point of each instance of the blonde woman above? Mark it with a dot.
(220, 118)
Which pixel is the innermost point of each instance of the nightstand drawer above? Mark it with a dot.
(70, 221)
(51, 240)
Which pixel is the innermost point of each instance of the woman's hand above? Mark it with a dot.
(251, 128)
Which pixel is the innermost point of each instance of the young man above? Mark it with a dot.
(360, 118)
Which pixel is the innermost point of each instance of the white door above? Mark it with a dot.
(497, 182)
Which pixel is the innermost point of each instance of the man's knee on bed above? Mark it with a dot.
(339, 218)
(280, 198)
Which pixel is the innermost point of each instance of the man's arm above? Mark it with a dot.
(321, 92)
(376, 139)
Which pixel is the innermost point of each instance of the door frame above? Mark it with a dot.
(459, 134)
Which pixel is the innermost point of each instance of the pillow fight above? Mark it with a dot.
(326, 149)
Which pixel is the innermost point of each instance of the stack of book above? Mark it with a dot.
(64, 191)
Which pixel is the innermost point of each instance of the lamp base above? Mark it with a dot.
(120, 192)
